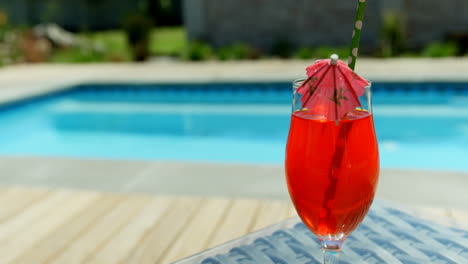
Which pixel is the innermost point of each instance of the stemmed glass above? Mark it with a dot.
(332, 169)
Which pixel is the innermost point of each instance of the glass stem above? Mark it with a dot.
(331, 251)
(331, 256)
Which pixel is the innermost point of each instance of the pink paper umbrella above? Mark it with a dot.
(332, 89)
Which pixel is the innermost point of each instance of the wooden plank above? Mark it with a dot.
(155, 244)
(67, 233)
(34, 213)
(127, 240)
(103, 230)
(39, 229)
(271, 213)
(238, 222)
(14, 200)
(196, 236)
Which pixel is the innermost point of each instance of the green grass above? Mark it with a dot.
(112, 46)
(170, 41)
(114, 43)
(76, 55)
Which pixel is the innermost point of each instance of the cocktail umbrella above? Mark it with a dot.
(332, 89)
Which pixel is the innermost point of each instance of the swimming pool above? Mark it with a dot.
(419, 126)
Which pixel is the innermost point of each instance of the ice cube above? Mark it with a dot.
(310, 116)
(356, 114)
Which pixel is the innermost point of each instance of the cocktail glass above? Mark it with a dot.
(332, 164)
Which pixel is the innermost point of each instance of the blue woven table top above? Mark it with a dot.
(387, 235)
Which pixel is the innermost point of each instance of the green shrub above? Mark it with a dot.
(113, 44)
(235, 52)
(437, 49)
(304, 53)
(392, 36)
(326, 51)
(282, 49)
(198, 51)
(168, 12)
(138, 30)
(10, 41)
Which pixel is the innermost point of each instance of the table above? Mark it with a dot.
(387, 235)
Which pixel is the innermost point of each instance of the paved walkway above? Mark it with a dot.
(445, 190)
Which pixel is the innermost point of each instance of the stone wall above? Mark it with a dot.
(71, 14)
(264, 23)
(261, 23)
(430, 20)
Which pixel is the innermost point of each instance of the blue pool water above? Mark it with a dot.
(419, 126)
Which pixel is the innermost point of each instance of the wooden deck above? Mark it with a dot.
(63, 226)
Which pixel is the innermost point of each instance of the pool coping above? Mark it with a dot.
(417, 188)
(27, 81)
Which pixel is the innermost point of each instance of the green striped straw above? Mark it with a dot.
(357, 34)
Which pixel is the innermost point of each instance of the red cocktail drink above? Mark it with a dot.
(332, 170)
